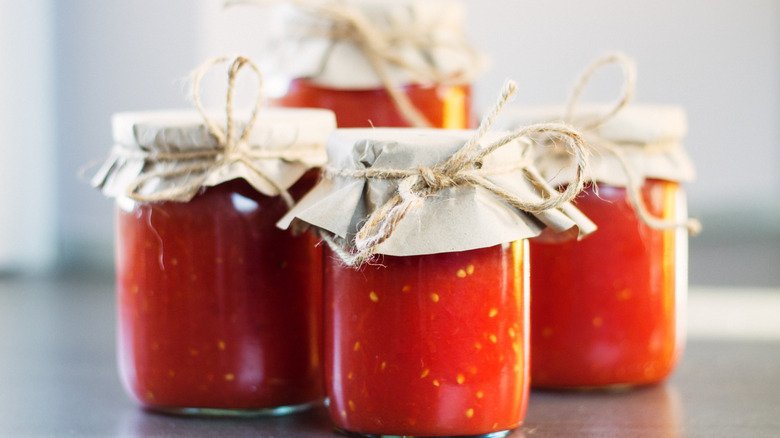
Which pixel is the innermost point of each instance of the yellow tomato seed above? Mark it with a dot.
(469, 413)
(493, 312)
(461, 379)
(425, 373)
(470, 269)
(373, 296)
(435, 297)
(461, 273)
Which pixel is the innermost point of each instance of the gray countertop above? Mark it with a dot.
(58, 378)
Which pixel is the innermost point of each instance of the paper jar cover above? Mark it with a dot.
(453, 219)
(283, 145)
(649, 137)
(426, 35)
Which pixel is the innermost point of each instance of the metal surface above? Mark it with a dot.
(58, 378)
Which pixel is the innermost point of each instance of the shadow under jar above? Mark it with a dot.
(219, 311)
(430, 337)
(423, 56)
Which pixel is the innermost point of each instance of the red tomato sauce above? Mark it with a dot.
(218, 309)
(446, 107)
(604, 308)
(428, 345)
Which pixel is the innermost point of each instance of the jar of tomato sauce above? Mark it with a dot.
(426, 281)
(608, 310)
(376, 63)
(219, 311)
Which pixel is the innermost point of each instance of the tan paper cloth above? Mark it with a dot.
(172, 155)
(345, 44)
(649, 137)
(283, 145)
(455, 218)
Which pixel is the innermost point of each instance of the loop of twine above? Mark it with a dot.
(232, 147)
(634, 183)
(461, 169)
(350, 24)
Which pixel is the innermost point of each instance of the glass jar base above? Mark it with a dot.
(499, 434)
(216, 412)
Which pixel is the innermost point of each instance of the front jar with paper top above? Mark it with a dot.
(426, 279)
(219, 310)
(616, 316)
(376, 63)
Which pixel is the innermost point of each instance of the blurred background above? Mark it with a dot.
(67, 65)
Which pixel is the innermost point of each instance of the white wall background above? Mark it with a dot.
(718, 58)
(27, 210)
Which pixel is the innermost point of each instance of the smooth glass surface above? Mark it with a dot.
(608, 310)
(219, 311)
(446, 107)
(431, 345)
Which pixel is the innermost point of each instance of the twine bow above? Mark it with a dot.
(634, 185)
(462, 169)
(232, 146)
(349, 23)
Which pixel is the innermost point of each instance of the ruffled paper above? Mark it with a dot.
(283, 145)
(454, 219)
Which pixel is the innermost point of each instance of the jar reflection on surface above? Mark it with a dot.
(219, 311)
(654, 410)
(618, 310)
(444, 106)
(430, 345)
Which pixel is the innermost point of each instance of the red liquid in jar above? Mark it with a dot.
(446, 107)
(604, 309)
(218, 309)
(428, 345)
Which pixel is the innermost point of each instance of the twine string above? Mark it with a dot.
(461, 169)
(232, 147)
(634, 184)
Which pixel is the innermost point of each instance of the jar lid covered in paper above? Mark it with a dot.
(171, 155)
(363, 44)
(390, 177)
(647, 137)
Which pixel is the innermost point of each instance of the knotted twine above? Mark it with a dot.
(634, 185)
(350, 24)
(231, 147)
(462, 169)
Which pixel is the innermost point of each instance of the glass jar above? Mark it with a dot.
(615, 316)
(219, 311)
(429, 336)
(428, 345)
(376, 63)
(618, 313)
